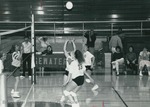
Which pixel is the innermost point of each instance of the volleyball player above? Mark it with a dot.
(89, 62)
(69, 58)
(2, 58)
(16, 63)
(76, 78)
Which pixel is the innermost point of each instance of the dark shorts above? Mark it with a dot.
(79, 80)
(66, 72)
(15, 70)
(89, 68)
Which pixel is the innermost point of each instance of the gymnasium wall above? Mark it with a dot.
(56, 43)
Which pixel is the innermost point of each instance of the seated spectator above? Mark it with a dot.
(48, 50)
(131, 60)
(144, 61)
(99, 54)
(117, 59)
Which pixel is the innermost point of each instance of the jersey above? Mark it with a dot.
(16, 59)
(26, 47)
(145, 55)
(76, 69)
(87, 56)
(69, 59)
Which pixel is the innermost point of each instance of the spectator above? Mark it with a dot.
(144, 61)
(91, 38)
(131, 59)
(2, 58)
(99, 54)
(26, 56)
(43, 43)
(115, 41)
(117, 59)
(48, 50)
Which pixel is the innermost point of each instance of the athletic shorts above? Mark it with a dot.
(143, 63)
(66, 72)
(88, 68)
(16, 71)
(79, 80)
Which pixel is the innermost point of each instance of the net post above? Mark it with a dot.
(33, 79)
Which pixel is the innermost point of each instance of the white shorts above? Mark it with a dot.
(120, 61)
(143, 63)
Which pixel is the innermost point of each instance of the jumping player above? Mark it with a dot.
(69, 58)
(76, 78)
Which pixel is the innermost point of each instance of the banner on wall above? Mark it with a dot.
(56, 60)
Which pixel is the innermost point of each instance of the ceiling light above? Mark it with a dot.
(114, 16)
(69, 5)
(67, 30)
(40, 8)
(6, 12)
(7, 20)
(40, 12)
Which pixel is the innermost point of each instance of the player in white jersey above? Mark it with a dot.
(89, 62)
(2, 58)
(16, 63)
(76, 78)
(69, 58)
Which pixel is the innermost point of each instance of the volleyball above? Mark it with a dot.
(69, 5)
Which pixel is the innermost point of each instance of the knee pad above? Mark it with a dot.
(66, 93)
(73, 94)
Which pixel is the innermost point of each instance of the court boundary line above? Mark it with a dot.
(25, 101)
(120, 97)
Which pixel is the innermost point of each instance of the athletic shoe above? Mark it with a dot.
(95, 92)
(88, 100)
(87, 80)
(62, 99)
(140, 74)
(117, 74)
(29, 77)
(95, 87)
(22, 77)
(12, 91)
(114, 67)
(16, 95)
